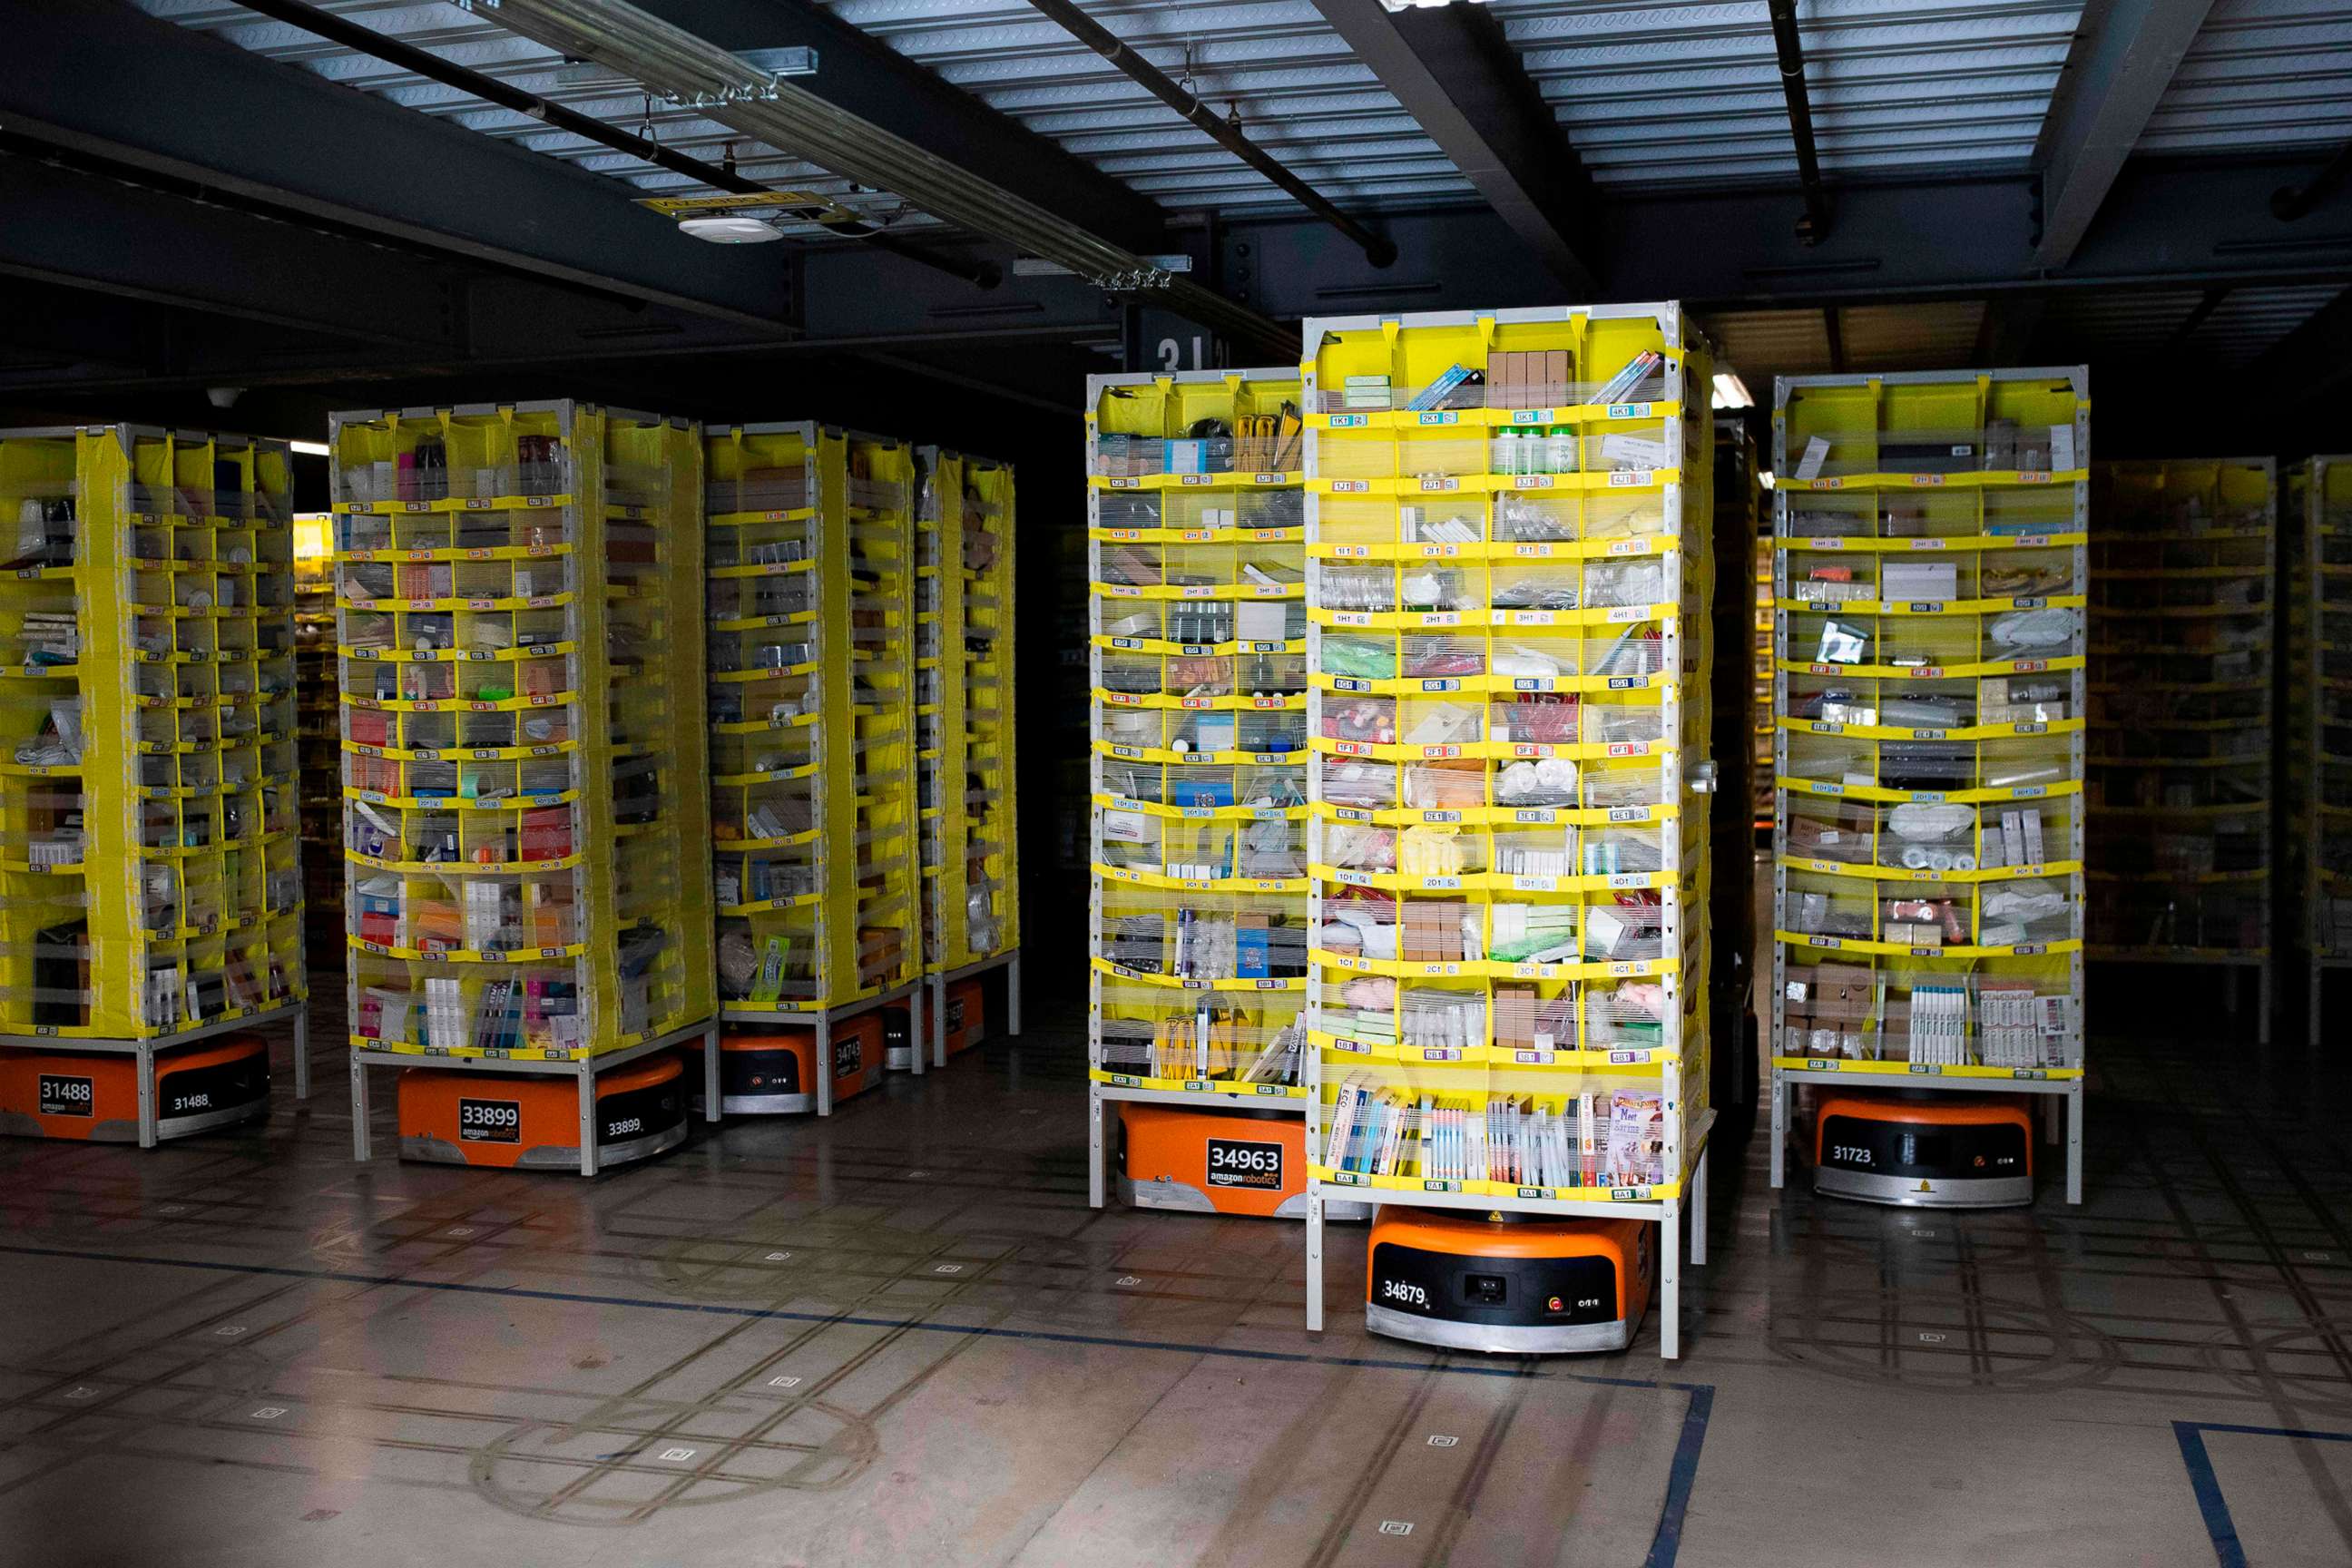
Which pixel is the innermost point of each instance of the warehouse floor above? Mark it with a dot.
(901, 1336)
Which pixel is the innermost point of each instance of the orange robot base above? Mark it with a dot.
(532, 1122)
(1923, 1153)
(1512, 1286)
(93, 1097)
(1217, 1162)
(772, 1071)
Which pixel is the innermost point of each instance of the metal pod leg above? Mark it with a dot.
(587, 1120)
(1698, 1211)
(143, 1066)
(1780, 1130)
(1670, 1282)
(361, 1140)
(302, 1052)
(1095, 1196)
(2262, 1016)
(711, 1060)
(939, 1022)
(2075, 1098)
(1013, 995)
(1314, 1261)
(823, 1066)
(916, 1034)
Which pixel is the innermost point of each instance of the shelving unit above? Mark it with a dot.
(2319, 717)
(1197, 632)
(517, 589)
(1930, 578)
(147, 733)
(964, 533)
(1508, 716)
(2181, 793)
(818, 833)
(319, 730)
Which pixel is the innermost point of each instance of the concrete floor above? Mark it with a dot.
(901, 1336)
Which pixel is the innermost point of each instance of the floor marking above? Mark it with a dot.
(2228, 1549)
(1444, 1442)
(1664, 1546)
(1396, 1527)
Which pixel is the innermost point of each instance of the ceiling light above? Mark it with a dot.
(730, 230)
(1730, 391)
(1413, 4)
(309, 448)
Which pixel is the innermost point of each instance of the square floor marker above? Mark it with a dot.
(784, 1383)
(1928, 1339)
(82, 1391)
(678, 1455)
(229, 1330)
(172, 1208)
(946, 1268)
(269, 1413)
(461, 1230)
(1396, 1527)
(1444, 1442)
(778, 1256)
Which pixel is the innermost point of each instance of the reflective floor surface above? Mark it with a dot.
(901, 1336)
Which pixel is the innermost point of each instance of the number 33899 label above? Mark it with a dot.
(490, 1121)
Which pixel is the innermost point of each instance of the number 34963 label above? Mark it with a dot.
(1239, 1162)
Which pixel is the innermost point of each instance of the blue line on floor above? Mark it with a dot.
(2210, 1503)
(1663, 1546)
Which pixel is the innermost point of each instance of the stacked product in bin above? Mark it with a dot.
(2181, 790)
(1197, 631)
(1930, 581)
(813, 770)
(517, 589)
(964, 734)
(151, 889)
(1508, 655)
(2320, 716)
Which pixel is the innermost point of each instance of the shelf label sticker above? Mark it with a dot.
(1270, 480)
(1623, 479)
(1352, 486)
(1350, 421)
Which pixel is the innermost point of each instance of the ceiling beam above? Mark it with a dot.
(81, 229)
(1452, 70)
(1789, 54)
(2315, 358)
(865, 77)
(106, 81)
(2124, 56)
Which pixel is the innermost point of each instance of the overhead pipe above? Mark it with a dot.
(506, 95)
(1814, 227)
(687, 68)
(1377, 249)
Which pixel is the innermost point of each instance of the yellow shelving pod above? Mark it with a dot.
(964, 725)
(1930, 579)
(151, 887)
(320, 731)
(2319, 716)
(1510, 658)
(817, 827)
(517, 589)
(2181, 793)
(1196, 633)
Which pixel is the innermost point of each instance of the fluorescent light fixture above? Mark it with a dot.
(1413, 4)
(1730, 391)
(309, 448)
(730, 230)
(770, 63)
(1038, 267)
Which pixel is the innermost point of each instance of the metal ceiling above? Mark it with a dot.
(1667, 92)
